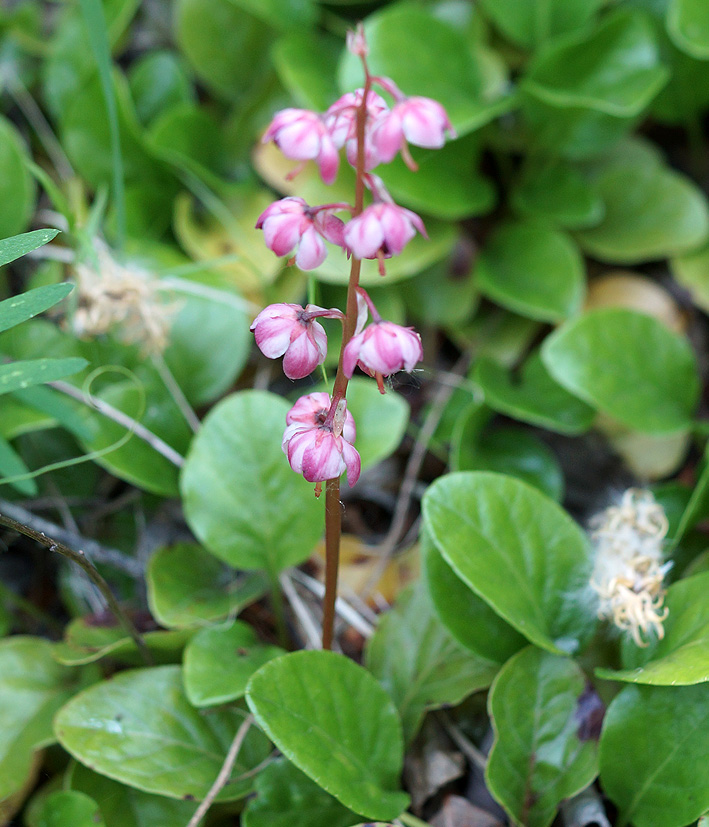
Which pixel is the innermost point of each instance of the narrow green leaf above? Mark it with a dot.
(12, 465)
(332, 719)
(655, 754)
(19, 245)
(419, 663)
(54, 404)
(602, 357)
(681, 658)
(240, 496)
(220, 660)
(138, 728)
(286, 797)
(20, 308)
(540, 756)
(32, 687)
(188, 586)
(533, 270)
(519, 551)
(19, 375)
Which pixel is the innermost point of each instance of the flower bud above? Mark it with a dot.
(302, 135)
(312, 410)
(292, 331)
(291, 223)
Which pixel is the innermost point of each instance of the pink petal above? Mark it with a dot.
(312, 251)
(352, 461)
(282, 232)
(301, 357)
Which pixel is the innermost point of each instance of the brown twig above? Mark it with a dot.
(81, 560)
(224, 773)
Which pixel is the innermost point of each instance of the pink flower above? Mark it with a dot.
(420, 121)
(290, 222)
(320, 451)
(341, 117)
(291, 331)
(381, 231)
(302, 135)
(383, 348)
(312, 410)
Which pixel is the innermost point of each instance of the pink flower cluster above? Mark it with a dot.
(320, 431)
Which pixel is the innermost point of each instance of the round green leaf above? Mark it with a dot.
(426, 56)
(509, 451)
(688, 26)
(220, 660)
(285, 797)
(532, 23)
(655, 754)
(468, 617)
(306, 63)
(16, 183)
(188, 586)
(419, 663)
(692, 272)
(158, 81)
(613, 68)
(533, 270)
(32, 687)
(332, 719)
(68, 808)
(627, 365)
(681, 658)
(241, 498)
(123, 806)
(519, 551)
(651, 212)
(539, 757)
(532, 396)
(138, 728)
(556, 191)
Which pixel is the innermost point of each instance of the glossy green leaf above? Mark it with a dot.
(448, 183)
(681, 658)
(419, 663)
(556, 191)
(220, 660)
(613, 68)
(68, 808)
(283, 14)
(19, 245)
(158, 81)
(20, 308)
(532, 396)
(188, 586)
(510, 451)
(17, 191)
(18, 375)
(539, 757)
(332, 719)
(518, 550)
(651, 212)
(240, 495)
(470, 620)
(138, 728)
(306, 63)
(123, 806)
(688, 26)
(187, 137)
(692, 272)
(532, 23)
(533, 270)
(602, 357)
(11, 465)
(32, 687)
(286, 797)
(426, 56)
(86, 641)
(654, 751)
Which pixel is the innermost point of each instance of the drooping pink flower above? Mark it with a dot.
(291, 223)
(312, 410)
(341, 117)
(381, 231)
(303, 136)
(320, 451)
(292, 331)
(383, 348)
(420, 121)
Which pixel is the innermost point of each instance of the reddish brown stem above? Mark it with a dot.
(333, 513)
